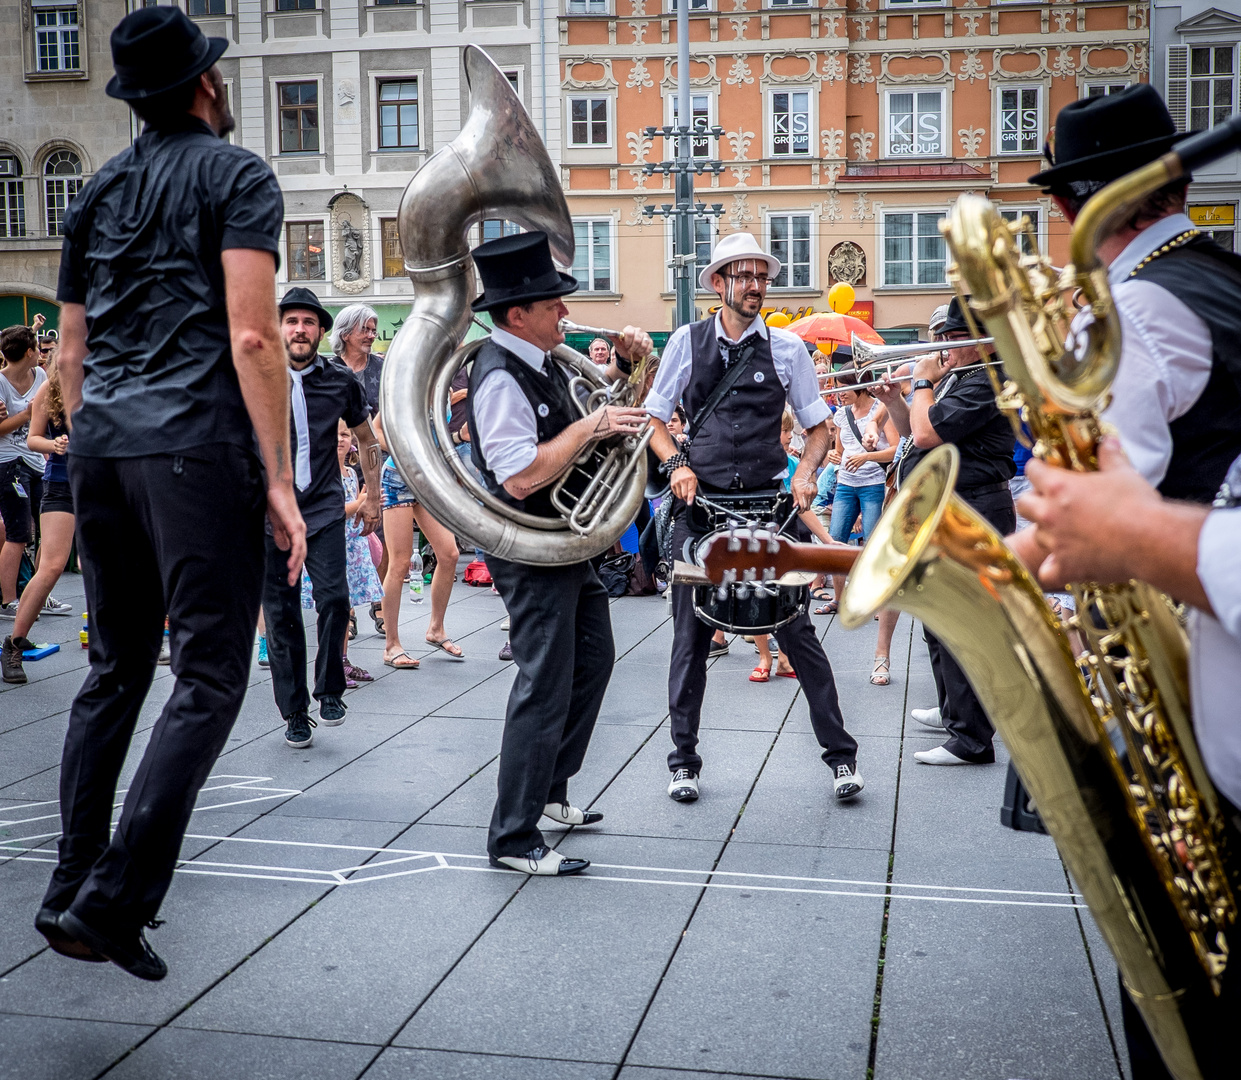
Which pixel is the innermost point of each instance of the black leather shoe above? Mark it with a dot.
(332, 710)
(134, 956)
(47, 922)
(540, 861)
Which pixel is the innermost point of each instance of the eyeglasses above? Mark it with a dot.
(748, 279)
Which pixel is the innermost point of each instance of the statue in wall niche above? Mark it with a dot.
(351, 240)
(351, 244)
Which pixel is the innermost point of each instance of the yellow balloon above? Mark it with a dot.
(840, 297)
(826, 347)
(778, 319)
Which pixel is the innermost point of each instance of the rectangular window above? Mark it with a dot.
(1020, 123)
(588, 122)
(913, 249)
(56, 39)
(915, 123)
(913, 3)
(304, 250)
(592, 259)
(1025, 244)
(394, 258)
(1212, 86)
(398, 115)
(299, 117)
(12, 199)
(790, 243)
(587, 7)
(1103, 89)
(788, 3)
(296, 5)
(208, 7)
(494, 228)
(694, 5)
(700, 113)
(790, 122)
(389, 3)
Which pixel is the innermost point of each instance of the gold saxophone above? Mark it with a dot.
(1103, 741)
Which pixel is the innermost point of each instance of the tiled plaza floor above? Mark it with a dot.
(336, 916)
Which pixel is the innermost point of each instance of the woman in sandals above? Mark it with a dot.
(400, 512)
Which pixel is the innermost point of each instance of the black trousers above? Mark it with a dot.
(177, 534)
(969, 730)
(561, 636)
(286, 633)
(687, 674)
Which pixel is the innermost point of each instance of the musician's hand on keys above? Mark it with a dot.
(617, 420)
(634, 343)
(684, 484)
(885, 390)
(929, 367)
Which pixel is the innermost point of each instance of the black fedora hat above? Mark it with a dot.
(954, 321)
(157, 49)
(518, 270)
(299, 297)
(1102, 138)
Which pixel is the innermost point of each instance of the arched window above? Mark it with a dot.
(62, 180)
(12, 198)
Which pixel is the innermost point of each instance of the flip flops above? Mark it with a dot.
(827, 609)
(392, 662)
(760, 674)
(786, 674)
(821, 593)
(443, 644)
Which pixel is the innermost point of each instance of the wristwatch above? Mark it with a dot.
(923, 384)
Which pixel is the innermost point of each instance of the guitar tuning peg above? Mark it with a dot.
(773, 546)
(749, 574)
(755, 545)
(769, 573)
(734, 541)
(743, 592)
(721, 594)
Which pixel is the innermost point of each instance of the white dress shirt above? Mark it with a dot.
(793, 366)
(508, 433)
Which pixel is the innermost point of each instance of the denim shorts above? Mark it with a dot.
(395, 491)
(866, 499)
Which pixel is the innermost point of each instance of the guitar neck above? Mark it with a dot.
(820, 558)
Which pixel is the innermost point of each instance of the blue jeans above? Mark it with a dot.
(868, 500)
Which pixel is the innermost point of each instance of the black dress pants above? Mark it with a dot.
(286, 632)
(560, 632)
(687, 674)
(181, 535)
(969, 730)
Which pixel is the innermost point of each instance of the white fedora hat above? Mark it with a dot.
(735, 246)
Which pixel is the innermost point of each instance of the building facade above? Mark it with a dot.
(848, 133)
(1196, 64)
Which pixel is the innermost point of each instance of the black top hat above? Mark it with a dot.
(300, 297)
(1102, 138)
(157, 49)
(518, 270)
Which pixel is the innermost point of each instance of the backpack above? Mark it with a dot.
(614, 573)
(477, 573)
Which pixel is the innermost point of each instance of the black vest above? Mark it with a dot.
(1207, 438)
(549, 397)
(738, 447)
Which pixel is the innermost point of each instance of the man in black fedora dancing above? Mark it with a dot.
(172, 372)
(525, 430)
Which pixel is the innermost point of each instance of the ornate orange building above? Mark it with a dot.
(847, 134)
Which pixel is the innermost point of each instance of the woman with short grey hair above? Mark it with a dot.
(353, 333)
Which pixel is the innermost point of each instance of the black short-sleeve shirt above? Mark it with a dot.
(968, 417)
(370, 378)
(142, 254)
(333, 393)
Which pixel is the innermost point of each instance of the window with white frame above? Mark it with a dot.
(700, 119)
(789, 241)
(1202, 88)
(914, 3)
(1103, 89)
(393, 253)
(592, 256)
(587, 7)
(12, 198)
(62, 180)
(304, 254)
(706, 233)
(913, 249)
(790, 122)
(915, 125)
(495, 228)
(1033, 216)
(299, 117)
(296, 5)
(1020, 119)
(589, 121)
(56, 39)
(398, 114)
(788, 3)
(694, 5)
(207, 7)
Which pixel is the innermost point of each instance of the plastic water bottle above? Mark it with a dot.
(84, 633)
(415, 578)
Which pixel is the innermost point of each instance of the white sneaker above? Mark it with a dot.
(9, 610)
(684, 785)
(52, 606)
(165, 653)
(941, 755)
(504, 623)
(928, 718)
(566, 814)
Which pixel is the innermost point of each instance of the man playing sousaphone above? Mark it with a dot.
(735, 448)
(525, 431)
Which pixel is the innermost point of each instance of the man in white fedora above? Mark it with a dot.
(735, 376)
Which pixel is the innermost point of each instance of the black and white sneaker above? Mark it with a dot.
(298, 734)
(718, 648)
(848, 781)
(683, 786)
(332, 710)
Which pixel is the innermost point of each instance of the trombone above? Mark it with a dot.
(883, 359)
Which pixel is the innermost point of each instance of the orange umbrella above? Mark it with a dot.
(827, 329)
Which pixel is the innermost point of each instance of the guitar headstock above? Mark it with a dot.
(746, 555)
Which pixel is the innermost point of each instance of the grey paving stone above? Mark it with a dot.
(577, 992)
(988, 989)
(637, 1072)
(397, 1063)
(46, 1048)
(210, 1055)
(737, 999)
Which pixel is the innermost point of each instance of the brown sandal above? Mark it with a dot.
(879, 675)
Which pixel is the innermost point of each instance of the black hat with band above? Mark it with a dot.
(304, 300)
(518, 270)
(157, 49)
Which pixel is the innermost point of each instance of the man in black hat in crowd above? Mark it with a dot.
(525, 430)
(958, 408)
(171, 368)
(322, 393)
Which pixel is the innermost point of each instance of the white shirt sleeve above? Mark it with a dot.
(1165, 362)
(1219, 566)
(671, 378)
(801, 381)
(507, 431)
